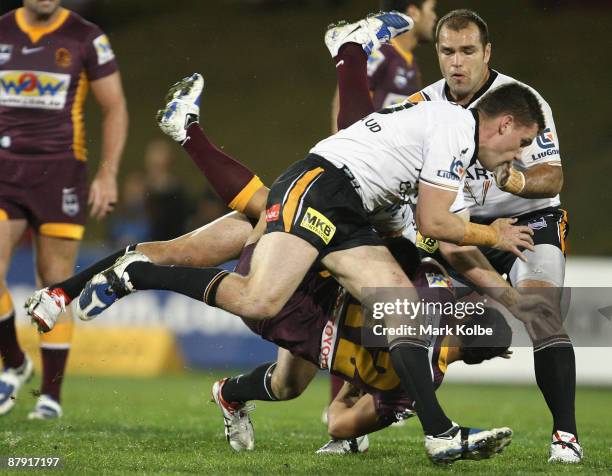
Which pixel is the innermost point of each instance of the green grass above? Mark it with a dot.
(166, 425)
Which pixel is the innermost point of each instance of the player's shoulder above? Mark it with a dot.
(82, 27)
(8, 18)
(502, 79)
(433, 92)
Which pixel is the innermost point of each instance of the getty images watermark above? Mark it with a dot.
(487, 318)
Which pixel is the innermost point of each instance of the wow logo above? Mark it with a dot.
(33, 89)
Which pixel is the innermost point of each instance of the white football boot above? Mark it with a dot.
(45, 306)
(182, 107)
(360, 444)
(11, 381)
(370, 33)
(238, 426)
(565, 448)
(46, 409)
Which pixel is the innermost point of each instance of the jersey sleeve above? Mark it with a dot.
(445, 157)
(99, 56)
(545, 148)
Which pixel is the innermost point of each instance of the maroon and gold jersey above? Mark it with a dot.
(44, 76)
(393, 75)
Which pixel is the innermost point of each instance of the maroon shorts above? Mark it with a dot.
(50, 194)
(298, 327)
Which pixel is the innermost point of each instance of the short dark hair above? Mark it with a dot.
(514, 99)
(458, 20)
(400, 5)
(476, 349)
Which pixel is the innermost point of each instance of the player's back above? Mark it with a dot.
(387, 151)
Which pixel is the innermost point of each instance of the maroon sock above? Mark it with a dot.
(354, 93)
(226, 175)
(336, 385)
(12, 355)
(54, 364)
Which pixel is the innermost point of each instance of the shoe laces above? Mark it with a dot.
(58, 298)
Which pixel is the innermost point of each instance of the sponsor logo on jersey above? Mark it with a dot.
(70, 202)
(435, 280)
(428, 245)
(33, 89)
(456, 170)
(273, 212)
(537, 224)
(30, 51)
(103, 49)
(546, 142)
(319, 224)
(63, 58)
(5, 52)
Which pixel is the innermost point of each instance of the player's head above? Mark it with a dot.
(42, 9)
(423, 12)
(463, 47)
(510, 118)
(475, 350)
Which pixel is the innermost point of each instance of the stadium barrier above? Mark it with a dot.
(150, 333)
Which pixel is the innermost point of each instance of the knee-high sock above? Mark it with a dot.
(256, 385)
(11, 353)
(353, 90)
(197, 283)
(555, 370)
(411, 363)
(73, 286)
(54, 347)
(234, 182)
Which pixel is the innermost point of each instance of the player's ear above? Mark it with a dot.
(413, 12)
(487, 53)
(506, 124)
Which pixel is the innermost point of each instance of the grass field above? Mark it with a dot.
(166, 425)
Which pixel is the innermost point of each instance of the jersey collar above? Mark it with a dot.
(37, 32)
(485, 87)
(477, 120)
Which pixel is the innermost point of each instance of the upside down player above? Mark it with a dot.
(49, 58)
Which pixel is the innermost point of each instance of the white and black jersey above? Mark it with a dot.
(389, 152)
(482, 195)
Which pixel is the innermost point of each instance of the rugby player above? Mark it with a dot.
(183, 94)
(49, 57)
(529, 192)
(318, 210)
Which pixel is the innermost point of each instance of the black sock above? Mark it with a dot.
(555, 370)
(256, 385)
(73, 286)
(197, 283)
(411, 363)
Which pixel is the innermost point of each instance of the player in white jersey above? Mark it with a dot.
(315, 213)
(530, 192)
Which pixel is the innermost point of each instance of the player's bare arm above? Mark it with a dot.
(436, 221)
(539, 181)
(109, 95)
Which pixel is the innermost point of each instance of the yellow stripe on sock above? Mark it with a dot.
(60, 335)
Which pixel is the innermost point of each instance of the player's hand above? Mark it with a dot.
(537, 314)
(502, 174)
(511, 238)
(102, 194)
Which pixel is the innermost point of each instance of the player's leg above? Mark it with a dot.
(554, 360)
(350, 46)
(210, 245)
(17, 366)
(445, 441)
(55, 261)
(282, 380)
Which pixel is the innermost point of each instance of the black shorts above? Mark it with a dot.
(549, 225)
(316, 201)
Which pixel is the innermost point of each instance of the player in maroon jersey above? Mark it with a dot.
(49, 58)
(393, 73)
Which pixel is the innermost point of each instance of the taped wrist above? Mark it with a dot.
(515, 183)
(479, 235)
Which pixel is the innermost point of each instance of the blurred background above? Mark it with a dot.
(269, 86)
